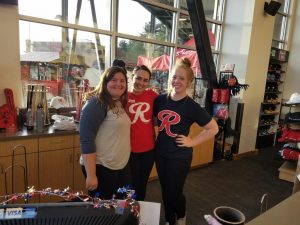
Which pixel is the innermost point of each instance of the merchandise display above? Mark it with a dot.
(290, 135)
(270, 107)
(228, 86)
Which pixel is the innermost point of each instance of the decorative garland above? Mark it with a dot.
(66, 194)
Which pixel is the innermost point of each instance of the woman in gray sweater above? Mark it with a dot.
(105, 135)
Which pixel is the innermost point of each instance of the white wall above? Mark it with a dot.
(292, 80)
(236, 34)
(9, 53)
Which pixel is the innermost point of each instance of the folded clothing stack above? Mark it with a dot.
(63, 122)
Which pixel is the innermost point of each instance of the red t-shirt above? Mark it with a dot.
(140, 111)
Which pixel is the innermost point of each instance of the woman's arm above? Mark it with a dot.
(210, 130)
(89, 162)
(90, 120)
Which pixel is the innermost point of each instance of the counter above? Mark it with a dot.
(284, 213)
(52, 159)
(24, 133)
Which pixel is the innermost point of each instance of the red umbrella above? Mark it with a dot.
(143, 60)
(211, 36)
(161, 63)
(192, 55)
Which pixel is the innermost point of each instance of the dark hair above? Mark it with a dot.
(101, 92)
(120, 63)
(142, 67)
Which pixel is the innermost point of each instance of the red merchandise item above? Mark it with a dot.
(216, 95)
(289, 154)
(6, 117)
(224, 96)
(140, 112)
(8, 113)
(231, 82)
(289, 135)
(223, 113)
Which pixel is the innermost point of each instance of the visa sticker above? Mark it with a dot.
(12, 213)
(1, 213)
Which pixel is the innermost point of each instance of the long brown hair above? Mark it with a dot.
(101, 92)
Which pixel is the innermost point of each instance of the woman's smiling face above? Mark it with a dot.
(180, 81)
(117, 85)
(141, 80)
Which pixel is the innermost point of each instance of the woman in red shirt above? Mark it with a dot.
(142, 136)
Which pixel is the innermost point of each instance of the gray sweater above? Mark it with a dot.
(108, 136)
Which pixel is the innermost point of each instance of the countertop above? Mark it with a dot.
(24, 133)
(284, 213)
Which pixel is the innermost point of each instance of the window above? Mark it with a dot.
(281, 25)
(66, 11)
(64, 42)
(145, 21)
(61, 65)
(155, 57)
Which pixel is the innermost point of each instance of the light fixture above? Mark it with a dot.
(272, 7)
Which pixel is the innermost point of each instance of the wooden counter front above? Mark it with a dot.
(53, 158)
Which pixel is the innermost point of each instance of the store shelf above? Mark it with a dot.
(271, 103)
(271, 106)
(267, 124)
(263, 141)
(270, 114)
(276, 71)
(274, 81)
(287, 171)
(290, 104)
(273, 92)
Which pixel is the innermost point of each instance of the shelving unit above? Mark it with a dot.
(222, 147)
(288, 169)
(270, 107)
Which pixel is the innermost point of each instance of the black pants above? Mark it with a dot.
(109, 181)
(172, 173)
(141, 165)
